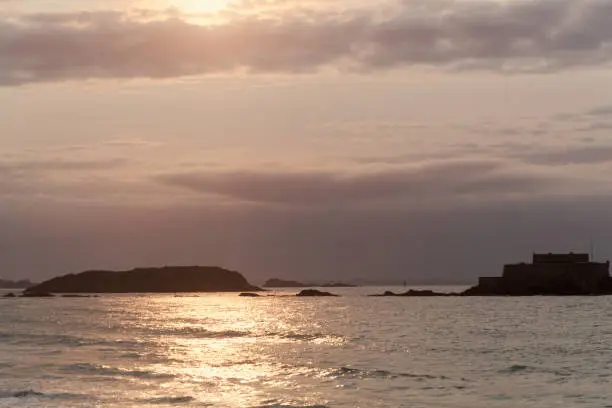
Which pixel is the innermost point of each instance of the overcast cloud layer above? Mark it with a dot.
(516, 36)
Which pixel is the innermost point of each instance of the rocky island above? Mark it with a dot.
(315, 293)
(417, 293)
(169, 279)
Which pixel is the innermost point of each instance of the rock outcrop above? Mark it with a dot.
(314, 292)
(37, 294)
(168, 279)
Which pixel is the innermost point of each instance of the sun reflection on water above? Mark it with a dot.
(235, 350)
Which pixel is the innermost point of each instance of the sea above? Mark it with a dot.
(222, 350)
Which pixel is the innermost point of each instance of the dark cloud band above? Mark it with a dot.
(526, 36)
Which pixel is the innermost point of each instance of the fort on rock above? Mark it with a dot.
(549, 274)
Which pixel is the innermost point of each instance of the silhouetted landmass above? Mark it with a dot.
(149, 280)
(78, 296)
(547, 275)
(314, 292)
(20, 284)
(417, 293)
(281, 283)
(337, 285)
(413, 281)
(36, 294)
(249, 294)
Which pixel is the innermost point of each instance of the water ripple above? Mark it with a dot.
(114, 371)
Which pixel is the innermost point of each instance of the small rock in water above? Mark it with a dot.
(37, 294)
(314, 292)
(246, 294)
(76, 296)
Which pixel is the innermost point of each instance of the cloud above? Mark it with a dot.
(571, 155)
(426, 182)
(525, 36)
(132, 142)
(600, 111)
(595, 127)
(58, 179)
(64, 165)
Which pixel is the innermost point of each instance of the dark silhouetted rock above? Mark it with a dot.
(548, 275)
(573, 274)
(426, 293)
(37, 293)
(386, 293)
(248, 294)
(9, 295)
(314, 292)
(417, 293)
(169, 279)
(76, 296)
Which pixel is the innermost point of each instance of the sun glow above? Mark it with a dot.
(201, 6)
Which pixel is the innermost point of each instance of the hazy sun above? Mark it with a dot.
(201, 6)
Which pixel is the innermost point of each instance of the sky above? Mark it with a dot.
(419, 140)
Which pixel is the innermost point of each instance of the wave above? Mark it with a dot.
(41, 339)
(516, 368)
(235, 363)
(347, 372)
(20, 394)
(520, 368)
(305, 336)
(35, 394)
(199, 332)
(170, 400)
(291, 406)
(114, 371)
(64, 340)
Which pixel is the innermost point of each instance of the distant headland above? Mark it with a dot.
(20, 284)
(169, 279)
(281, 283)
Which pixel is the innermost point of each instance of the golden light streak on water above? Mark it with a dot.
(232, 348)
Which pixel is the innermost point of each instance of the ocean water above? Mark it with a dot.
(221, 350)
